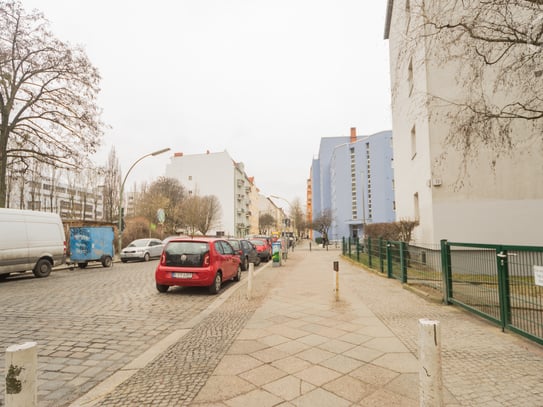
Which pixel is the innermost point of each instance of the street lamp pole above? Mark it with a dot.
(122, 190)
(290, 206)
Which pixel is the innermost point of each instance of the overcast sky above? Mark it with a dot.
(264, 80)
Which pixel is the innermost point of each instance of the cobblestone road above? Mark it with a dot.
(89, 323)
(177, 375)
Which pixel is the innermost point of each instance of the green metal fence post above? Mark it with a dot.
(358, 250)
(350, 251)
(389, 258)
(446, 271)
(403, 261)
(370, 263)
(381, 261)
(503, 287)
(343, 251)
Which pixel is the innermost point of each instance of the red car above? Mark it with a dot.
(198, 262)
(263, 249)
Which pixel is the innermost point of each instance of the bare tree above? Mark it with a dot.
(322, 224)
(72, 181)
(167, 194)
(496, 49)
(48, 91)
(299, 216)
(265, 223)
(52, 196)
(201, 213)
(210, 213)
(112, 187)
(35, 183)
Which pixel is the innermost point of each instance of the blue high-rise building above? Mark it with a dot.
(353, 179)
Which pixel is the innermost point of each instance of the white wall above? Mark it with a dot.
(482, 198)
(212, 174)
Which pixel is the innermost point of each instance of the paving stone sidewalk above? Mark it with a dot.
(293, 344)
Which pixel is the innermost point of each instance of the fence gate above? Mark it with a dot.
(496, 282)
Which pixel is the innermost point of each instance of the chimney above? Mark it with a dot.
(178, 154)
(353, 134)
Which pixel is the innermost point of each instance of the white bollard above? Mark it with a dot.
(430, 375)
(22, 375)
(336, 280)
(250, 280)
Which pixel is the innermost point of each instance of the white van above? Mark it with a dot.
(30, 240)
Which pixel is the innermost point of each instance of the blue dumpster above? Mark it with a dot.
(91, 244)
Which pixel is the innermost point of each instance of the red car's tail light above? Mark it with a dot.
(163, 258)
(206, 260)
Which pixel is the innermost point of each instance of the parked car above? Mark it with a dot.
(166, 240)
(198, 262)
(142, 249)
(247, 252)
(263, 249)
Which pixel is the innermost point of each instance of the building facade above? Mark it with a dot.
(217, 174)
(480, 198)
(51, 195)
(352, 178)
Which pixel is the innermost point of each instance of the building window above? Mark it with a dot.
(413, 142)
(190, 177)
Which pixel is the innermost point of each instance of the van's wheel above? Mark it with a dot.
(245, 264)
(82, 265)
(43, 268)
(216, 286)
(106, 261)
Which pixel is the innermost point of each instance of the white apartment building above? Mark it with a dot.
(217, 174)
(479, 200)
(51, 195)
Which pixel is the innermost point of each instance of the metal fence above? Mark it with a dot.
(494, 281)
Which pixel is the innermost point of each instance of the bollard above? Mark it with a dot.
(21, 375)
(250, 280)
(430, 375)
(336, 289)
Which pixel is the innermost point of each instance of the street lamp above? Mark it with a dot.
(290, 206)
(283, 199)
(284, 226)
(122, 189)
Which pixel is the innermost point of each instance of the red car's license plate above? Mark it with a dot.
(182, 275)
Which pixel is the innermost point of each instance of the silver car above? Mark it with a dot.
(142, 249)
